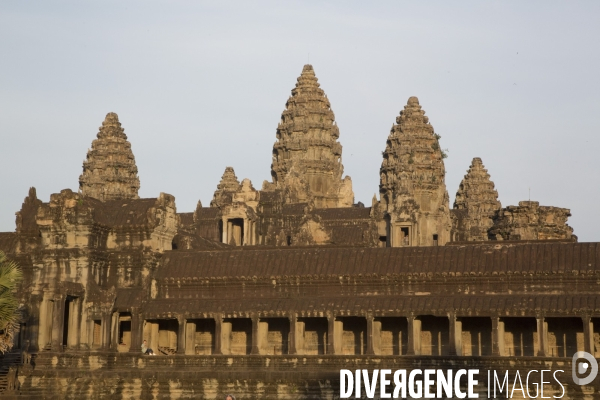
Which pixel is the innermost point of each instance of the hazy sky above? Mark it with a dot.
(199, 86)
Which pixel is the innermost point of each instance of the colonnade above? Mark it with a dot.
(55, 324)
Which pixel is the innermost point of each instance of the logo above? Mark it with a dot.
(584, 363)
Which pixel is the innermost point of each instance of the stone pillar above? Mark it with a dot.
(542, 332)
(455, 335)
(106, 331)
(74, 323)
(58, 321)
(255, 334)
(299, 337)
(376, 336)
(292, 349)
(588, 334)
(225, 230)
(136, 331)
(45, 322)
(34, 323)
(218, 332)
(331, 342)
(229, 231)
(497, 336)
(245, 233)
(370, 349)
(190, 338)
(116, 326)
(181, 335)
(414, 336)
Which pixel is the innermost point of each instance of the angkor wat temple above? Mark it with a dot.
(267, 293)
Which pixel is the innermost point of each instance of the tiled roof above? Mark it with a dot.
(208, 213)
(197, 242)
(352, 213)
(348, 234)
(481, 259)
(294, 209)
(464, 305)
(186, 219)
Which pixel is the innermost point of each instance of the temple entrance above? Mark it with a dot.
(200, 337)
(314, 336)
(520, 336)
(161, 335)
(476, 336)
(405, 236)
(565, 336)
(96, 333)
(354, 335)
(401, 236)
(434, 336)
(393, 338)
(167, 336)
(124, 332)
(236, 336)
(273, 335)
(235, 231)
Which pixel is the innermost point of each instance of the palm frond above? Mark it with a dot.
(10, 277)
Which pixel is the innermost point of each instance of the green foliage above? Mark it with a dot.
(10, 277)
(436, 146)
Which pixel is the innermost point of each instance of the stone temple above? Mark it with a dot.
(268, 293)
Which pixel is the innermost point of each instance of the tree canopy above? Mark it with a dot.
(10, 277)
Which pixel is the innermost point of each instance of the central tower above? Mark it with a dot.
(307, 157)
(412, 186)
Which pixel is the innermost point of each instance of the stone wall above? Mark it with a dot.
(126, 376)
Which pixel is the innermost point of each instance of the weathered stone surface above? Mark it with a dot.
(109, 172)
(229, 184)
(412, 182)
(478, 199)
(307, 155)
(530, 221)
(127, 376)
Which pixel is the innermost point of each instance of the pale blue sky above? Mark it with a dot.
(199, 86)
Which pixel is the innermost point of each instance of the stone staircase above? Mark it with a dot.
(6, 361)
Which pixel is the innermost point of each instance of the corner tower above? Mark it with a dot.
(412, 187)
(109, 172)
(307, 155)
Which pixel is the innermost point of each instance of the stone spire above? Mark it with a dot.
(307, 153)
(476, 195)
(476, 191)
(109, 172)
(229, 184)
(412, 187)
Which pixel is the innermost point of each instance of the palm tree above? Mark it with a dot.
(10, 277)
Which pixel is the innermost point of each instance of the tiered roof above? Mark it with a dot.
(229, 184)
(307, 143)
(412, 159)
(109, 172)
